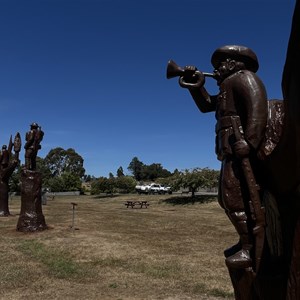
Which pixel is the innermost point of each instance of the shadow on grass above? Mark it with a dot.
(105, 196)
(180, 200)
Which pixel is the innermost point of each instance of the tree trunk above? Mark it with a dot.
(193, 193)
(31, 216)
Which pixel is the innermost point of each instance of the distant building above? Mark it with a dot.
(86, 186)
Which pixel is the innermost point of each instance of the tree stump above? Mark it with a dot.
(31, 216)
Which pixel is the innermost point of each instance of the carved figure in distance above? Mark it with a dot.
(33, 139)
(4, 157)
(8, 163)
(31, 217)
(8, 160)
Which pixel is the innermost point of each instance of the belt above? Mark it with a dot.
(226, 122)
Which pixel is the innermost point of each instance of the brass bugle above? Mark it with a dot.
(173, 70)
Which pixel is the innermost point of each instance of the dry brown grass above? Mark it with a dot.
(168, 251)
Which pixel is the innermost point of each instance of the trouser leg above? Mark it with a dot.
(241, 258)
(232, 201)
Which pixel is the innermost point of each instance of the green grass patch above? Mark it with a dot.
(220, 293)
(166, 270)
(201, 288)
(58, 263)
(111, 262)
(10, 275)
(177, 200)
(154, 270)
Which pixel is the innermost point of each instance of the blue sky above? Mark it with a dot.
(92, 73)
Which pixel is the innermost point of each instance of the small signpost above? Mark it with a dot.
(73, 216)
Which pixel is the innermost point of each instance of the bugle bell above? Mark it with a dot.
(173, 70)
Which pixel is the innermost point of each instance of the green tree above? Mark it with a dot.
(176, 171)
(71, 182)
(56, 184)
(14, 181)
(102, 185)
(88, 178)
(62, 170)
(194, 179)
(59, 160)
(43, 169)
(136, 167)
(212, 177)
(154, 171)
(125, 184)
(166, 181)
(120, 172)
(140, 171)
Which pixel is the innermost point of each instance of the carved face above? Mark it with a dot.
(225, 69)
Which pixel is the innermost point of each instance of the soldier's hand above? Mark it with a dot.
(241, 149)
(189, 71)
(192, 78)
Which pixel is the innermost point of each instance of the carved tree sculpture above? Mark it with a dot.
(31, 216)
(8, 163)
(258, 142)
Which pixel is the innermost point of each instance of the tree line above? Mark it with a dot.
(189, 179)
(62, 170)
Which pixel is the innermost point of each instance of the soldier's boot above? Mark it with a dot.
(236, 247)
(233, 249)
(240, 259)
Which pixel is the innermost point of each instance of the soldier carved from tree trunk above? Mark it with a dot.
(33, 139)
(31, 216)
(258, 142)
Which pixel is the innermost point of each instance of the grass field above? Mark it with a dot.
(171, 250)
